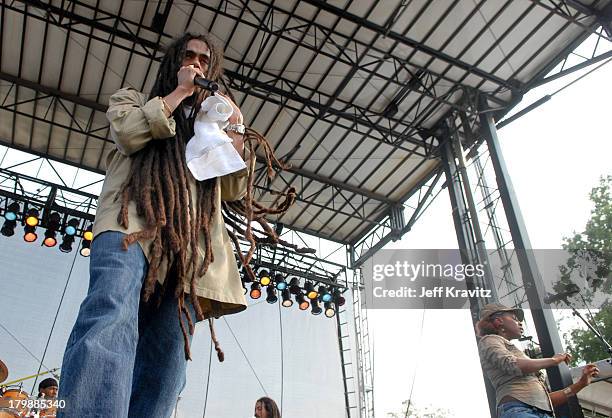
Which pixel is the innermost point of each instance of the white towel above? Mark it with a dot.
(210, 152)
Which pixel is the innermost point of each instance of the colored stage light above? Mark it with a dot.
(302, 302)
(50, 240)
(30, 234)
(271, 298)
(29, 230)
(264, 278)
(88, 234)
(324, 294)
(53, 224)
(281, 284)
(32, 217)
(287, 302)
(255, 290)
(330, 312)
(69, 232)
(86, 243)
(11, 212)
(316, 309)
(294, 286)
(310, 292)
(71, 227)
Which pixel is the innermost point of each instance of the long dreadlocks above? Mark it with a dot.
(158, 184)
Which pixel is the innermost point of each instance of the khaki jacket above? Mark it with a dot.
(498, 357)
(134, 122)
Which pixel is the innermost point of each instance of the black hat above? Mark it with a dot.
(47, 383)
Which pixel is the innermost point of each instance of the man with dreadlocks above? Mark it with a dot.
(162, 258)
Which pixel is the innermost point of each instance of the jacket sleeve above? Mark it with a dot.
(494, 352)
(134, 122)
(234, 186)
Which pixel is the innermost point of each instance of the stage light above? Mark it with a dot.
(324, 294)
(294, 286)
(316, 309)
(329, 309)
(310, 292)
(338, 298)
(281, 284)
(10, 216)
(86, 243)
(264, 278)
(8, 228)
(66, 245)
(287, 302)
(29, 229)
(88, 234)
(302, 302)
(271, 298)
(53, 224)
(32, 217)
(69, 232)
(11, 212)
(71, 227)
(255, 290)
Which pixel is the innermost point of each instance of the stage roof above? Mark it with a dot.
(351, 94)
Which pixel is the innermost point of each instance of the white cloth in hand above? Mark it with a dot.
(210, 152)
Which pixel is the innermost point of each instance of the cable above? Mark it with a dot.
(56, 315)
(280, 321)
(207, 378)
(415, 368)
(245, 356)
(23, 346)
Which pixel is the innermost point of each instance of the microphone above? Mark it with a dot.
(562, 296)
(206, 84)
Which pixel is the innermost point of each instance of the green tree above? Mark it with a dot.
(590, 263)
(591, 251)
(583, 345)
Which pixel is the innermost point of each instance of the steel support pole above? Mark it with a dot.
(481, 256)
(464, 238)
(546, 327)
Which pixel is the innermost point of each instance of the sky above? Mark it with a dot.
(554, 155)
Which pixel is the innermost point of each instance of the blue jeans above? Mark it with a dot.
(517, 409)
(123, 358)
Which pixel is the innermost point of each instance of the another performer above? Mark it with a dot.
(161, 258)
(47, 388)
(520, 388)
(266, 408)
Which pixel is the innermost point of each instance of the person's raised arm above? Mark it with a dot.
(560, 397)
(532, 365)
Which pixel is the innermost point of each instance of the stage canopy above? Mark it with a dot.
(351, 94)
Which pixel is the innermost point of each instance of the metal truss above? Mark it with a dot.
(31, 192)
(393, 225)
(268, 86)
(584, 60)
(278, 259)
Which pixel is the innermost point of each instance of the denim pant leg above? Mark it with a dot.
(99, 358)
(160, 368)
(517, 409)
